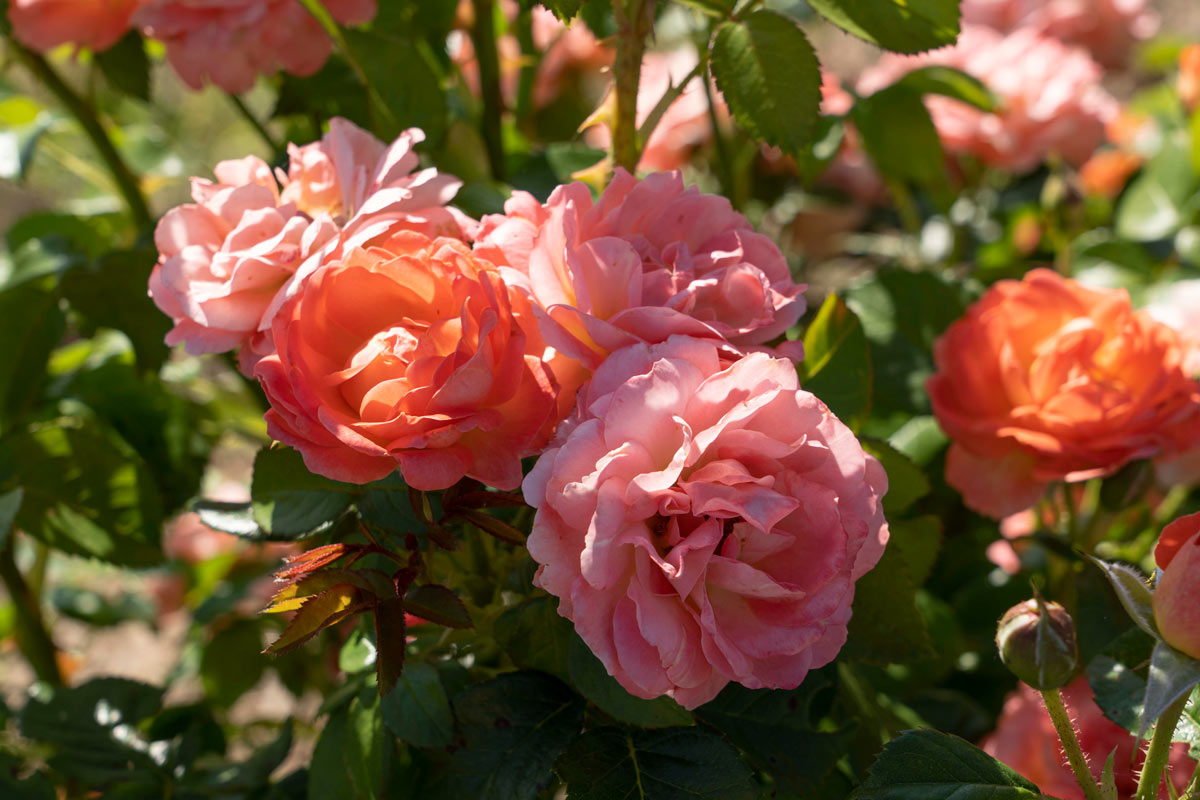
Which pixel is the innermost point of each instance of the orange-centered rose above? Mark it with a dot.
(411, 352)
(1047, 380)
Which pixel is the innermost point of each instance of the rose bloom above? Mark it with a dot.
(1025, 740)
(42, 25)
(1050, 97)
(1047, 380)
(703, 520)
(649, 257)
(230, 43)
(684, 127)
(405, 351)
(1108, 29)
(1177, 594)
(1188, 82)
(1107, 171)
(225, 259)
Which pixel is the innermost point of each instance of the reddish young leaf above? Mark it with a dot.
(371, 582)
(390, 640)
(437, 604)
(315, 559)
(319, 612)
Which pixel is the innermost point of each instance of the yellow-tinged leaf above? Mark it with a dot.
(317, 612)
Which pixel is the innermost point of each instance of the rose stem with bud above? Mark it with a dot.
(1070, 742)
(1160, 750)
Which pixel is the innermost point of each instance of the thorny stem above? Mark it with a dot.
(634, 20)
(1160, 750)
(127, 183)
(1070, 743)
(32, 638)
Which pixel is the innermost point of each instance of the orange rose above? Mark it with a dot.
(1047, 380)
(408, 352)
(1188, 83)
(1106, 172)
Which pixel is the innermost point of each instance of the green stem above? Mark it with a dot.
(248, 115)
(483, 35)
(1160, 750)
(127, 183)
(32, 638)
(381, 115)
(633, 25)
(669, 97)
(530, 56)
(1072, 514)
(1070, 743)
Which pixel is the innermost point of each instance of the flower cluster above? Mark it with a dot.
(700, 517)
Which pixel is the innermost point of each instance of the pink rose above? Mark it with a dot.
(42, 25)
(350, 173)
(408, 352)
(223, 258)
(1178, 306)
(647, 259)
(703, 520)
(1025, 739)
(231, 42)
(1177, 594)
(1108, 29)
(1050, 97)
(227, 261)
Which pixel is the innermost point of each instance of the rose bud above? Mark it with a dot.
(1177, 595)
(1036, 641)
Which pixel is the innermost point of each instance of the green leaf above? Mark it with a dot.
(886, 627)
(513, 728)
(920, 439)
(353, 756)
(357, 653)
(663, 764)
(898, 133)
(232, 663)
(418, 710)
(415, 101)
(1172, 676)
(236, 519)
(95, 728)
(918, 540)
(255, 772)
(437, 604)
(291, 502)
(102, 609)
(333, 91)
(902, 314)
(950, 82)
(929, 765)
(111, 293)
(565, 10)
(778, 732)
(1159, 201)
(837, 364)
(906, 482)
(768, 73)
(126, 67)
(906, 26)
(31, 325)
(536, 637)
(1132, 591)
(34, 787)
(86, 491)
(592, 680)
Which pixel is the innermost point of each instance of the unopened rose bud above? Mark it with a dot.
(1177, 595)
(1036, 641)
